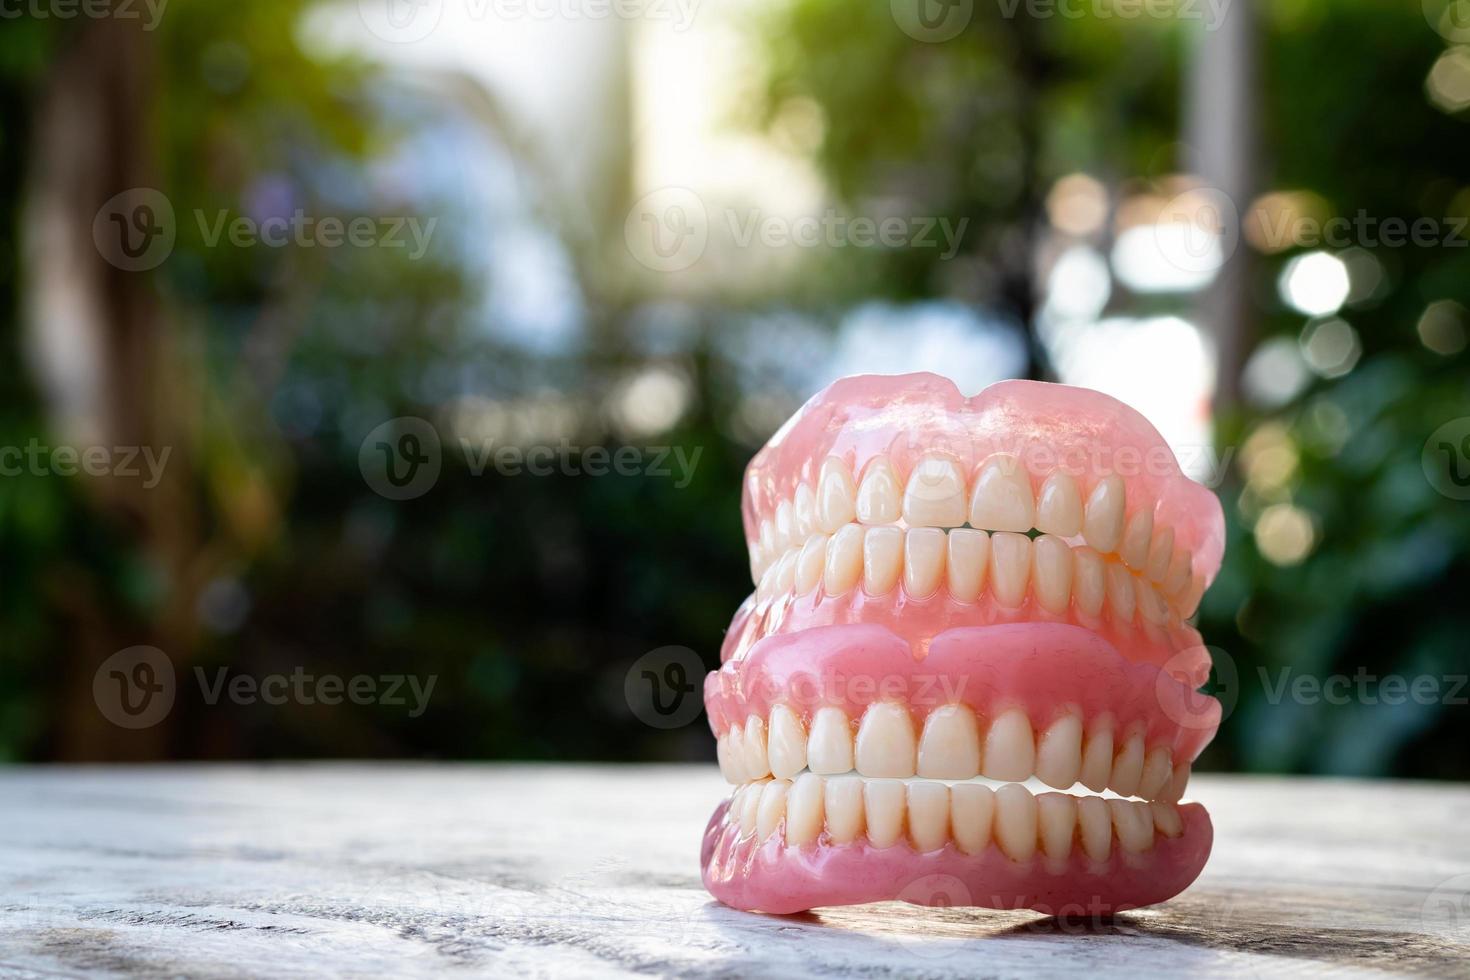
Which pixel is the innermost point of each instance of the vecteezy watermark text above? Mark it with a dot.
(564, 459)
(299, 687)
(306, 231)
(148, 11)
(121, 461)
(1366, 688)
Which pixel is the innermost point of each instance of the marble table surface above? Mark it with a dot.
(377, 869)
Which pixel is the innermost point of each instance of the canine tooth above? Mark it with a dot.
(1002, 499)
(1158, 768)
(1095, 826)
(969, 560)
(1051, 568)
(727, 765)
(1089, 580)
(755, 748)
(785, 743)
(1010, 749)
(1102, 518)
(883, 807)
(836, 492)
(1015, 821)
(829, 747)
(971, 813)
(877, 497)
(1150, 603)
(1128, 767)
(885, 741)
(1057, 815)
(1059, 752)
(935, 495)
(1010, 567)
(1137, 536)
(749, 807)
(1059, 506)
(923, 561)
(785, 579)
(809, 565)
(928, 815)
(1178, 575)
(950, 748)
(804, 809)
(1160, 551)
(1134, 825)
(772, 808)
(842, 801)
(804, 512)
(1166, 819)
(844, 560)
(882, 555)
(785, 526)
(1097, 758)
(1120, 592)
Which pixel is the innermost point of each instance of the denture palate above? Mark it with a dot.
(933, 531)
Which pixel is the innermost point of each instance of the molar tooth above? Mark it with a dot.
(1097, 757)
(1010, 749)
(1059, 752)
(1120, 592)
(829, 748)
(885, 741)
(882, 554)
(1158, 768)
(772, 808)
(786, 743)
(877, 498)
(1010, 567)
(750, 804)
(785, 526)
(969, 560)
(1096, 826)
(1002, 499)
(804, 810)
(1102, 519)
(1137, 537)
(950, 748)
(923, 561)
(1159, 553)
(1150, 603)
(1134, 825)
(1052, 571)
(755, 748)
(1128, 767)
(844, 560)
(842, 801)
(804, 512)
(1058, 821)
(835, 495)
(1178, 575)
(935, 495)
(1015, 821)
(809, 565)
(1059, 506)
(1089, 580)
(1166, 819)
(883, 805)
(971, 813)
(928, 815)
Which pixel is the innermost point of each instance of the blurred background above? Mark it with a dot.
(239, 240)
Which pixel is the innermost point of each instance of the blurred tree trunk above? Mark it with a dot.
(1222, 120)
(100, 344)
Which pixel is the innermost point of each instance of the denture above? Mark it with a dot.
(966, 675)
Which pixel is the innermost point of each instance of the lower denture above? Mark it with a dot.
(963, 678)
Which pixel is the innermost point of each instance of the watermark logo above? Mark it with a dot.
(1446, 459)
(401, 458)
(134, 688)
(401, 21)
(1196, 703)
(135, 230)
(1450, 19)
(663, 687)
(1446, 912)
(932, 21)
(667, 230)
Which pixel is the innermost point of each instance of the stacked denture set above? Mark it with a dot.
(945, 611)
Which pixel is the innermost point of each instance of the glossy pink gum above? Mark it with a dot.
(853, 649)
